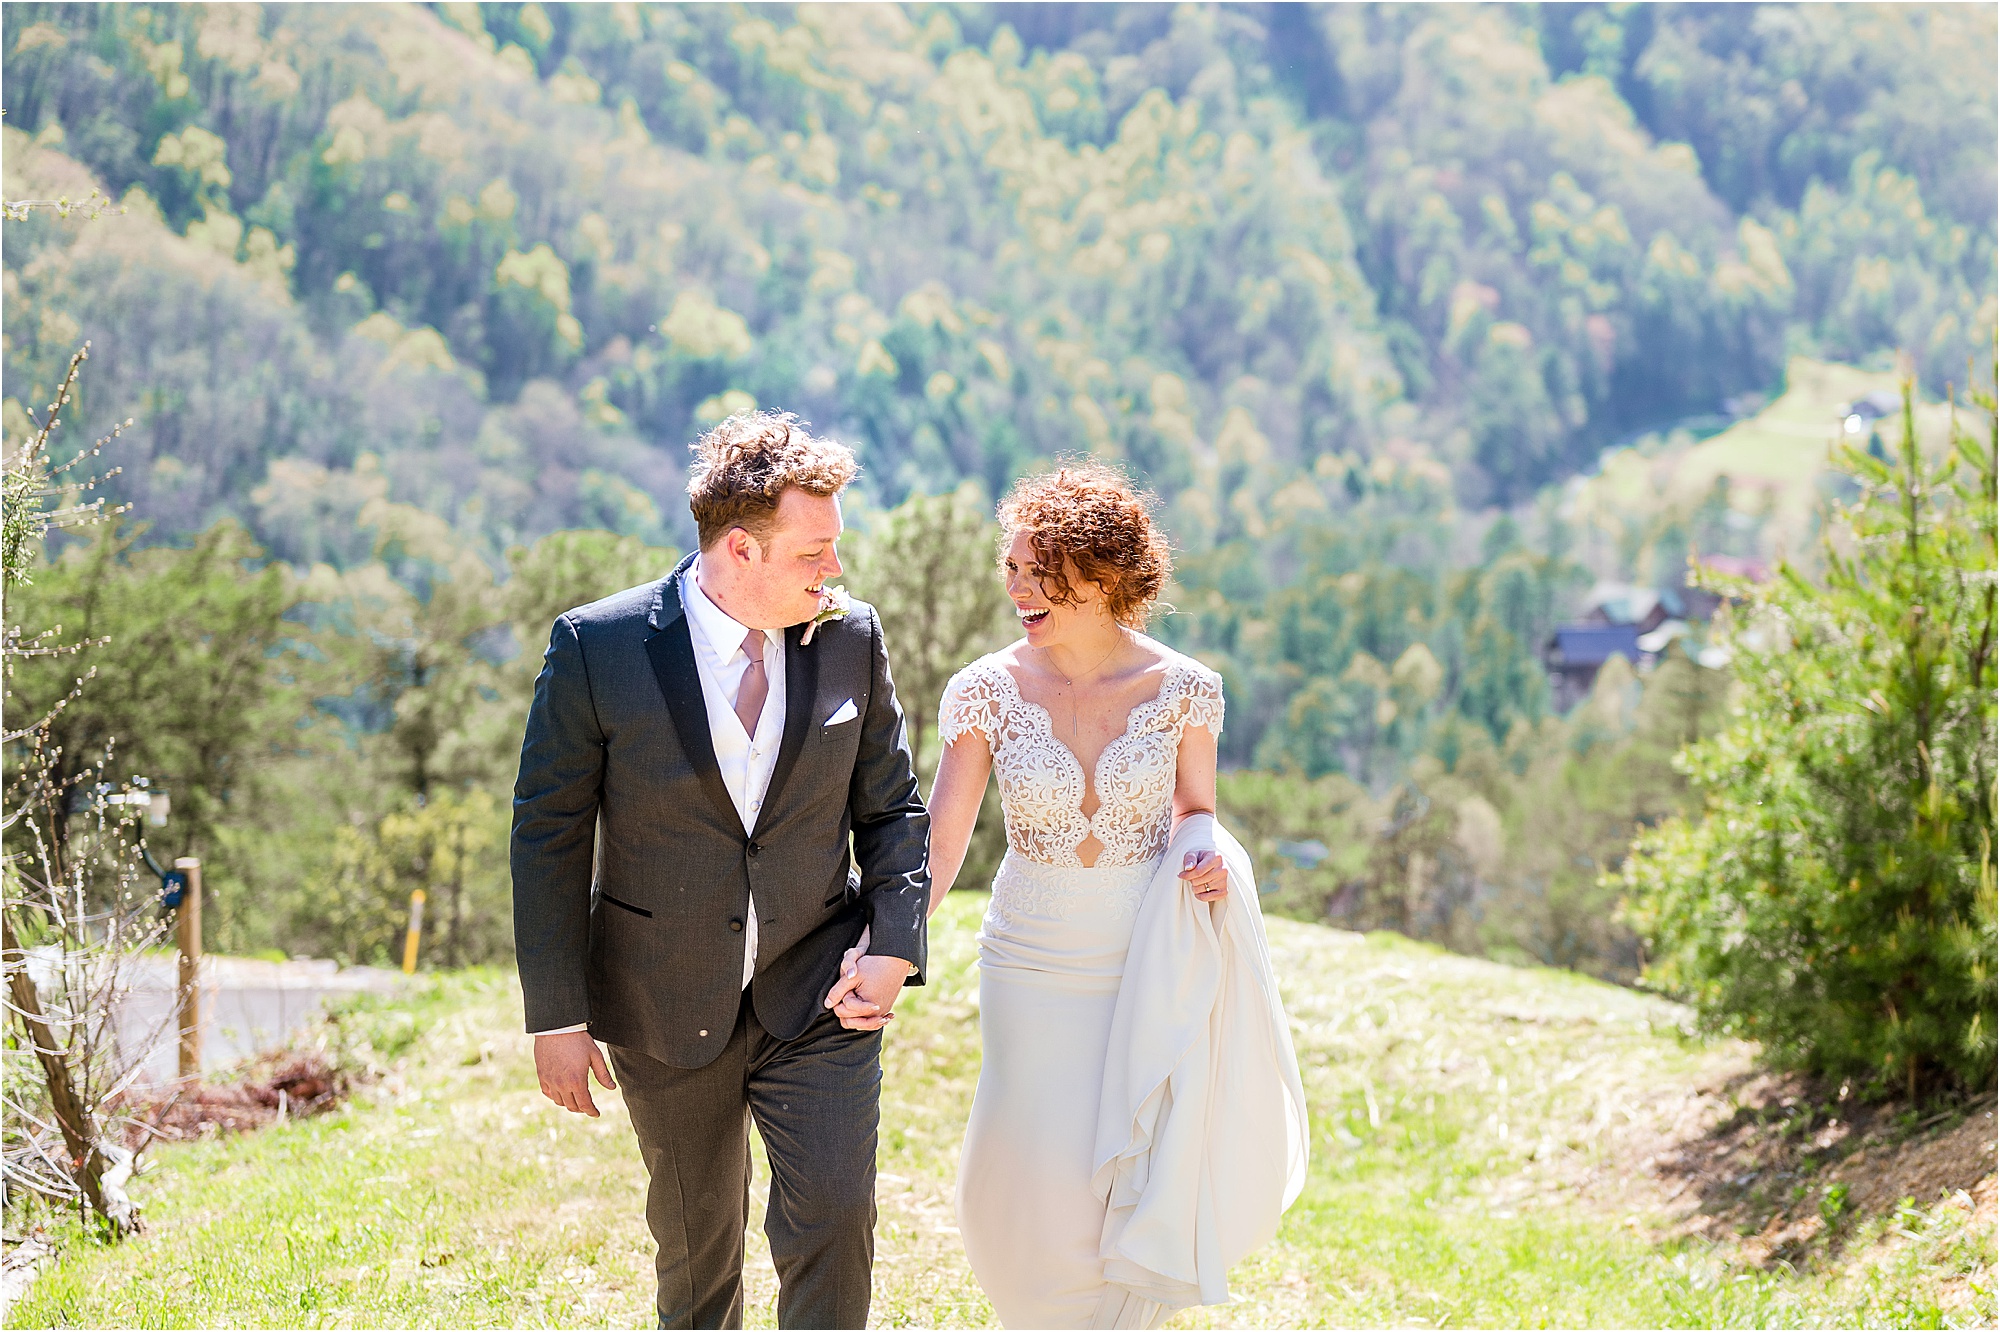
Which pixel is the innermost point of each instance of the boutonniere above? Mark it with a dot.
(833, 605)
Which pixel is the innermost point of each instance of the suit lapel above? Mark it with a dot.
(671, 650)
(801, 683)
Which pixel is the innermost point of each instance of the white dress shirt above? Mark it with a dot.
(746, 761)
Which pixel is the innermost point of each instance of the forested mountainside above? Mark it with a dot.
(1363, 291)
(502, 261)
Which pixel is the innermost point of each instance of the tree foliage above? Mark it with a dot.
(71, 888)
(447, 846)
(1834, 898)
(1352, 631)
(501, 263)
(922, 566)
(929, 567)
(1493, 848)
(192, 691)
(428, 300)
(565, 570)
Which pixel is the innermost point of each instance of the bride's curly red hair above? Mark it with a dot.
(1086, 521)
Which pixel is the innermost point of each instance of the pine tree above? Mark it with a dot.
(1835, 899)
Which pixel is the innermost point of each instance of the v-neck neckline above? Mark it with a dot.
(1089, 775)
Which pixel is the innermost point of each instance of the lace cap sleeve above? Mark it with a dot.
(1200, 692)
(971, 703)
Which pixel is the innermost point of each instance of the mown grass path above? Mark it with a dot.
(1473, 1131)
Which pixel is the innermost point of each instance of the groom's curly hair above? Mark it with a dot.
(1086, 521)
(743, 466)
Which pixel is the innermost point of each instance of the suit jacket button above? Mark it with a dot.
(736, 927)
(702, 1032)
(753, 849)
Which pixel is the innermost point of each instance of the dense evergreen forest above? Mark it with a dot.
(402, 296)
(518, 254)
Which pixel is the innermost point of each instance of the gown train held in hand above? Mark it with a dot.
(1201, 1125)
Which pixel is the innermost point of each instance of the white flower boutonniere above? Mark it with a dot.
(834, 604)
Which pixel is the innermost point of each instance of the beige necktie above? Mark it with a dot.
(756, 686)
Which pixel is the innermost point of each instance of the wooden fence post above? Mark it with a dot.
(187, 934)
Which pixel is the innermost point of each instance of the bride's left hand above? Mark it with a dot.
(1206, 873)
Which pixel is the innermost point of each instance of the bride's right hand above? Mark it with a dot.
(850, 971)
(1206, 873)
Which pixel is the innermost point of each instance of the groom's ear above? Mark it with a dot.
(739, 547)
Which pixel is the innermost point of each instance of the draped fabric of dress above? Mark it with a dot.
(1201, 1128)
(1078, 1209)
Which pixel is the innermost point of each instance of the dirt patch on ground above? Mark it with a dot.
(1963, 1293)
(282, 1085)
(1786, 1167)
(1878, 1177)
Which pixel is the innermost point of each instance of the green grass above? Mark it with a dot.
(1787, 443)
(1776, 460)
(1474, 1129)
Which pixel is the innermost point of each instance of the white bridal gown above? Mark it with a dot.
(1139, 1124)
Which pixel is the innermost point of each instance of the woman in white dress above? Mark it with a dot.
(1102, 1183)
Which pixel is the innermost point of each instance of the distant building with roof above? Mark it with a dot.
(1870, 408)
(1633, 622)
(1644, 608)
(1859, 418)
(1576, 652)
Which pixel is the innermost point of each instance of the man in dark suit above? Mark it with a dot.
(698, 755)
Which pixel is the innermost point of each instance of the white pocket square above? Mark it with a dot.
(846, 712)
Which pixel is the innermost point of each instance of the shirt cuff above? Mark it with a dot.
(562, 1031)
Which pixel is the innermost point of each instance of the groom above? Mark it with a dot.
(684, 887)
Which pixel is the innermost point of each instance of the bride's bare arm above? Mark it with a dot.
(1194, 793)
(1194, 773)
(955, 797)
(954, 805)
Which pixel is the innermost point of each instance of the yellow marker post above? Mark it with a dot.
(416, 931)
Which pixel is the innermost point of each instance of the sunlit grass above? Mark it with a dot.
(1776, 459)
(1460, 1112)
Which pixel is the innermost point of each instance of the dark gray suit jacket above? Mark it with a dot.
(618, 764)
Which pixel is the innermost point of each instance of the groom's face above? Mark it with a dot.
(780, 578)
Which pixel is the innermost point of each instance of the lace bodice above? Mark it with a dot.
(1042, 784)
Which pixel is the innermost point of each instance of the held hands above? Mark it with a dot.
(867, 988)
(564, 1063)
(1205, 874)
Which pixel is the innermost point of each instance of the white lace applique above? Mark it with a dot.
(1042, 783)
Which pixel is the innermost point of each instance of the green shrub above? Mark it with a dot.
(1835, 898)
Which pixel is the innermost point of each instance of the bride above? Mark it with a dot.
(1138, 1123)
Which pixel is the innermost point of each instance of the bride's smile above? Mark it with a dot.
(1023, 577)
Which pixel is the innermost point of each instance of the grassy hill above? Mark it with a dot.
(1755, 488)
(1491, 1147)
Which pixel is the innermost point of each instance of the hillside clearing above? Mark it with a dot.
(1492, 1146)
(1777, 462)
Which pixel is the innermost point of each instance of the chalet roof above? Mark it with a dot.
(1873, 406)
(1591, 644)
(1628, 603)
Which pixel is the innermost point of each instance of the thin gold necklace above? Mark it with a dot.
(1071, 684)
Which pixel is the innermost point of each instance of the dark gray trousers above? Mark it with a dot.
(817, 1104)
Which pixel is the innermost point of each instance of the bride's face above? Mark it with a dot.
(1044, 620)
